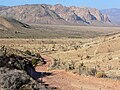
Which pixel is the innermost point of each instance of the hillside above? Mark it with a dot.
(57, 14)
(80, 15)
(101, 53)
(33, 14)
(113, 14)
(11, 28)
(10, 23)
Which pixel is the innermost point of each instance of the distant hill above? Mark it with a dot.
(3, 7)
(113, 14)
(10, 23)
(10, 27)
(57, 14)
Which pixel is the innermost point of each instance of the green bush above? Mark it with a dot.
(38, 55)
(36, 61)
(81, 69)
(84, 70)
(28, 52)
(92, 71)
(56, 64)
(70, 65)
(100, 75)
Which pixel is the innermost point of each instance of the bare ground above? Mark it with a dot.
(68, 81)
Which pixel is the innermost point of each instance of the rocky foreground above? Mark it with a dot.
(17, 72)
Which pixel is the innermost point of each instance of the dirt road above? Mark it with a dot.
(68, 81)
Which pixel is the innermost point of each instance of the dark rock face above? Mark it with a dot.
(57, 14)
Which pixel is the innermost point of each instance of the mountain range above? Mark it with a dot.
(55, 14)
(113, 14)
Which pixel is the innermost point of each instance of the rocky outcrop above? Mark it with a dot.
(57, 14)
(18, 80)
(67, 14)
(17, 72)
(86, 15)
(12, 79)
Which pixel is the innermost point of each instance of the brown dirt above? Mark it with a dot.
(69, 81)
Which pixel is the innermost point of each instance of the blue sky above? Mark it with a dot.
(100, 4)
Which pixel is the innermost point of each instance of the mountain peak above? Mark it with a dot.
(113, 14)
(57, 14)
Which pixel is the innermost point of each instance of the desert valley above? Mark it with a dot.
(56, 47)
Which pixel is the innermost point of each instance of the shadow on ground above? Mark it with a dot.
(36, 75)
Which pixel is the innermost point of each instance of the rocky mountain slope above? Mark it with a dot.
(33, 14)
(113, 14)
(57, 14)
(77, 15)
(10, 23)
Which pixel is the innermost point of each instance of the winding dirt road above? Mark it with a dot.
(68, 81)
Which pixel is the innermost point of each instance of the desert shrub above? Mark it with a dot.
(28, 52)
(92, 71)
(75, 47)
(70, 65)
(81, 69)
(3, 51)
(84, 70)
(36, 61)
(38, 55)
(56, 64)
(12, 79)
(17, 32)
(100, 75)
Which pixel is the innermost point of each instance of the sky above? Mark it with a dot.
(99, 4)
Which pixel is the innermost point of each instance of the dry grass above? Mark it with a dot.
(101, 53)
(57, 31)
(77, 51)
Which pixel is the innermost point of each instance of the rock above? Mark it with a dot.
(12, 79)
(113, 14)
(17, 79)
(33, 14)
(18, 73)
(57, 14)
